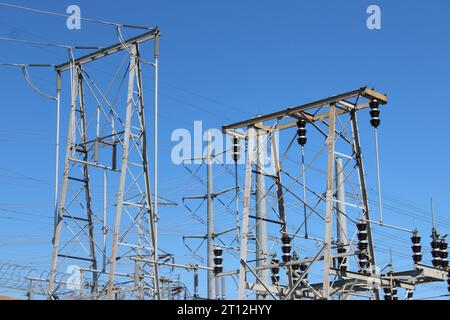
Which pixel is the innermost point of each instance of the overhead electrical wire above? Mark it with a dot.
(51, 13)
(26, 74)
(119, 35)
(47, 44)
(59, 46)
(36, 89)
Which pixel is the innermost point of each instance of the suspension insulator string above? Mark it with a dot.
(295, 267)
(301, 132)
(409, 294)
(275, 270)
(342, 261)
(375, 122)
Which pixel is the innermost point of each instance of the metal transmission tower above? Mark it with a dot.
(215, 287)
(332, 118)
(302, 201)
(106, 217)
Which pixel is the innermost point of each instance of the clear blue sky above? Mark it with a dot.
(219, 58)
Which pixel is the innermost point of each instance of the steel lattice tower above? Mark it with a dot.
(106, 153)
(347, 263)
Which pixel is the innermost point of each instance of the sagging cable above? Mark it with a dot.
(26, 74)
(126, 47)
(36, 89)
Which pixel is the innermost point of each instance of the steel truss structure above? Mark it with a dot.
(340, 202)
(106, 209)
(106, 215)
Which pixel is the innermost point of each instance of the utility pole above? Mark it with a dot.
(213, 281)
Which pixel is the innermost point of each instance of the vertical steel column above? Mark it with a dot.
(87, 188)
(210, 218)
(329, 202)
(105, 218)
(280, 199)
(365, 199)
(69, 147)
(341, 217)
(217, 286)
(58, 116)
(246, 211)
(151, 208)
(261, 225)
(155, 212)
(138, 282)
(123, 174)
(224, 290)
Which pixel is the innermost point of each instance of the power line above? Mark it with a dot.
(67, 15)
(47, 44)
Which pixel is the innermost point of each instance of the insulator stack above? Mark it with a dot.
(394, 294)
(390, 294)
(409, 294)
(236, 149)
(218, 260)
(448, 280)
(303, 268)
(363, 245)
(387, 294)
(275, 271)
(443, 253)
(375, 113)
(436, 252)
(286, 248)
(299, 268)
(342, 260)
(301, 132)
(295, 267)
(416, 247)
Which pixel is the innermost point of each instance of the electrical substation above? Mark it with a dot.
(298, 220)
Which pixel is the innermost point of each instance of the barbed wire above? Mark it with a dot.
(18, 277)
